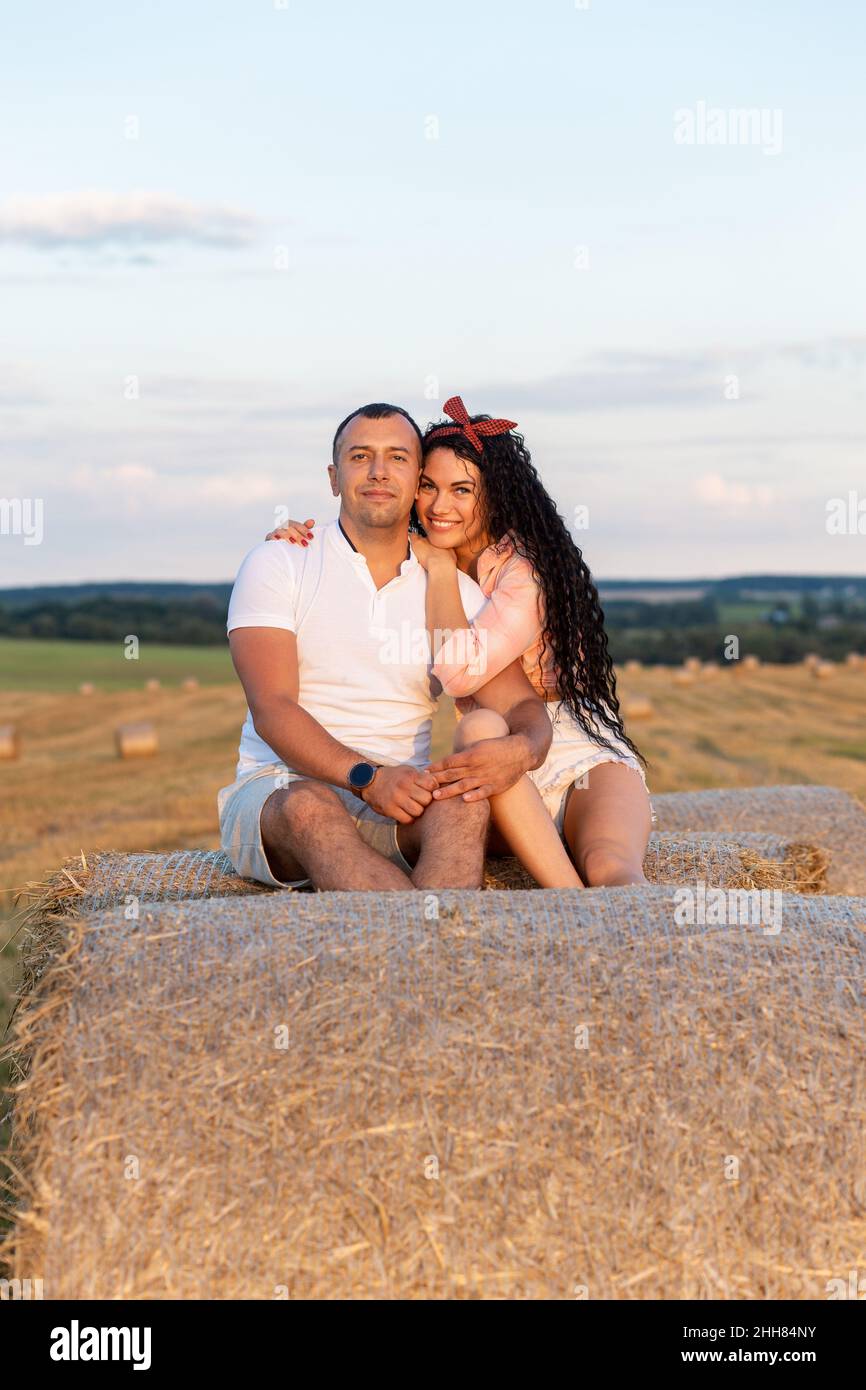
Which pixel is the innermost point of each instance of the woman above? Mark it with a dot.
(484, 510)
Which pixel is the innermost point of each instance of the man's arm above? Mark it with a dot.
(266, 660)
(492, 766)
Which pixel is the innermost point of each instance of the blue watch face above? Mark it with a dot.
(361, 775)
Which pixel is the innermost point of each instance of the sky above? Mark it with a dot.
(635, 228)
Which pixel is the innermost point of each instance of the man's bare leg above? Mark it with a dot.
(308, 833)
(449, 840)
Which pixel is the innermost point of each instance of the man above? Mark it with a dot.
(332, 783)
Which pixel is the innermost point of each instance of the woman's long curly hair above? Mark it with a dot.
(513, 500)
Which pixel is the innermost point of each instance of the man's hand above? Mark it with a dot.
(403, 793)
(483, 769)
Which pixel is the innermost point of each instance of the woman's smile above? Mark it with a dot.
(446, 478)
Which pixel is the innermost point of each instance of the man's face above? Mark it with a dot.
(376, 473)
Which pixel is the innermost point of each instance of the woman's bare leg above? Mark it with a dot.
(607, 826)
(519, 814)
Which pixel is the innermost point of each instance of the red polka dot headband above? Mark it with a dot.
(457, 411)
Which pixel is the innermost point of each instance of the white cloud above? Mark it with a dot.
(92, 218)
(717, 491)
(250, 486)
(172, 493)
(629, 380)
(132, 473)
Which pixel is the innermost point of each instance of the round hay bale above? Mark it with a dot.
(152, 685)
(10, 742)
(638, 707)
(683, 677)
(106, 879)
(103, 880)
(136, 740)
(86, 688)
(855, 660)
(824, 670)
(189, 685)
(633, 665)
(692, 663)
(498, 1103)
(826, 817)
(811, 659)
(750, 662)
(710, 668)
(738, 859)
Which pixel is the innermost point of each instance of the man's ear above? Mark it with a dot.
(332, 474)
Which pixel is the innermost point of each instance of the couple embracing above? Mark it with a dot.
(447, 536)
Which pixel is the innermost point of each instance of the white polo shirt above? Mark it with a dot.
(364, 660)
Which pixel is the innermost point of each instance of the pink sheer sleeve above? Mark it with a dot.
(510, 622)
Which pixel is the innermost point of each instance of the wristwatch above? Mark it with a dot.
(360, 777)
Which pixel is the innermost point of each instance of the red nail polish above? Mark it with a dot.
(303, 542)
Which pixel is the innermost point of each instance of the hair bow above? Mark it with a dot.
(457, 411)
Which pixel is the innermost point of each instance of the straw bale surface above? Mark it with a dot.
(94, 882)
(401, 1095)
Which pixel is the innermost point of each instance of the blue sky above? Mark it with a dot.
(326, 204)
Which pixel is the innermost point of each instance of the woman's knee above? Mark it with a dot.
(479, 724)
(607, 862)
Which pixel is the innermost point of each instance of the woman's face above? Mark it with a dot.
(449, 500)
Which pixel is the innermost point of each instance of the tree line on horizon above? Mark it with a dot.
(656, 633)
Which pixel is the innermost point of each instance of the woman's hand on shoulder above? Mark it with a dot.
(295, 532)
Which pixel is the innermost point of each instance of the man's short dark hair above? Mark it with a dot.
(377, 411)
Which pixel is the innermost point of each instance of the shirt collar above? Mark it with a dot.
(410, 554)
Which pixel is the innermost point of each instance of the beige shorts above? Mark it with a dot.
(240, 813)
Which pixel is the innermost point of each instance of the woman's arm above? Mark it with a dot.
(445, 611)
(510, 623)
(495, 764)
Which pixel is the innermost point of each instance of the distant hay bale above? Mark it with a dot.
(710, 668)
(136, 740)
(189, 684)
(692, 663)
(152, 685)
(826, 817)
(341, 1096)
(855, 660)
(824, 670)
(86, 688)
(811, 659)
(10, 742)
(638, 707)
(683, 677)
(633, 665)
